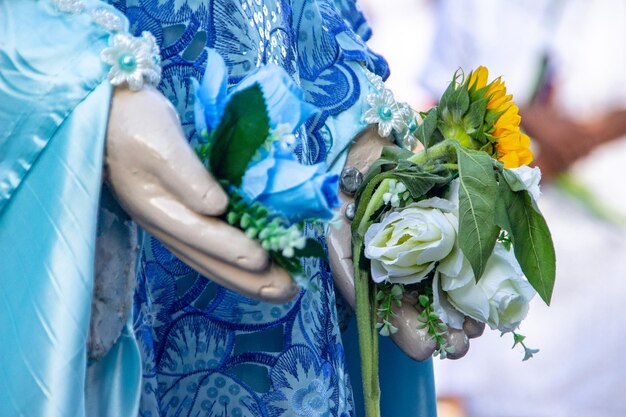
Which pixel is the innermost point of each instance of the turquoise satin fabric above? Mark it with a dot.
(54, 101)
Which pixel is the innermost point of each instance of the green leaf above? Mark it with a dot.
(517, 213)
(312, 249)
(477, 202)
(428, 126)
(241, 132)
(474, 117)
(397, 291)
(491, 117)
(447, 95)
(418, 181)
(291, 265)
(415, 178)
(459, 103)
(514, 181)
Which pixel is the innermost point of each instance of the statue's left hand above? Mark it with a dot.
(164, 187)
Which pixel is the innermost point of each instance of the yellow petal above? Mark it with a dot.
(478, 77)
(510, 160)
(514, 150)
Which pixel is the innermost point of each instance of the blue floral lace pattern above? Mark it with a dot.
(206, 350)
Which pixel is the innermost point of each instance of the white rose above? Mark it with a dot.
(531, 178)
(499, 299)
(407, 244)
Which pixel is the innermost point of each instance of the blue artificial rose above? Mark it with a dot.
(211, 97)
(292, 190)
(283, 98)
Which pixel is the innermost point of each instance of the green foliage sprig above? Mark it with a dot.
(436, 328)
(387, 296)
(518, 339)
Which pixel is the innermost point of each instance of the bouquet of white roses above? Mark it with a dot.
(248, 136)
(455, 227)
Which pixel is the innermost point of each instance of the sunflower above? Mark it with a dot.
(502, 119)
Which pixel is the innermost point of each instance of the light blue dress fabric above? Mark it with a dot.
(206, 350)
(54, 101)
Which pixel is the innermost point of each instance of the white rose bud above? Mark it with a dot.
(407, 244)
(499, 299)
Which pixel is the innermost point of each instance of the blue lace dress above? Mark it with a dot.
(207, 350)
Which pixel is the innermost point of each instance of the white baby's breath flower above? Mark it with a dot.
(133, 60)
(385, 112)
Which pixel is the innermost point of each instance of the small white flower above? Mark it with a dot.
(385, 111)
(133, 60)
(394, 194)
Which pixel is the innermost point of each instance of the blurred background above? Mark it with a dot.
(565, 63)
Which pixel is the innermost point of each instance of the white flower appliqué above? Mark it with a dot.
(391, 116)
(409, 116)
(385, 112)
(133, 60)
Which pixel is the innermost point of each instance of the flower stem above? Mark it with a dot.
(437, 151)
(368, 338)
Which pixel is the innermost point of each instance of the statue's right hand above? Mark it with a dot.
(164, 187)
(410, 337)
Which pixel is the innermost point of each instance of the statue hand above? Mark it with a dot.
(416, 343)
(164, 187)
